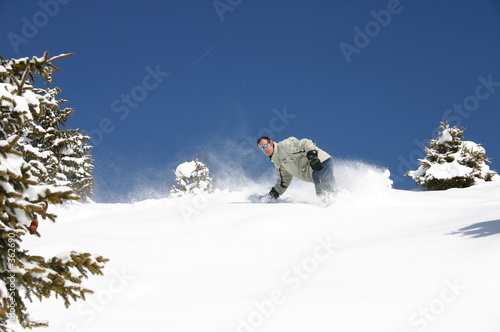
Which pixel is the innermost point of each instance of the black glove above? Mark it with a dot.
(274, 194)
(315, 163)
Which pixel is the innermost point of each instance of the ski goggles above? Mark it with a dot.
(264, 146)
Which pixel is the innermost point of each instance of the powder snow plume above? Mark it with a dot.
(358, 183)
(362, 181)
(240, 167)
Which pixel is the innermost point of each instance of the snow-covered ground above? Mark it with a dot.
(378, 259)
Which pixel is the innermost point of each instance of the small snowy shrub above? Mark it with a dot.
(451, 162)
(192, 178)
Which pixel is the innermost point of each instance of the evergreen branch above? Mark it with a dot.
(23, 79)
(60, 56)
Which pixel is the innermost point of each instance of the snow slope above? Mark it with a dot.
(377, 260)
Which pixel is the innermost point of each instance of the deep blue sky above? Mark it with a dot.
(283, 68)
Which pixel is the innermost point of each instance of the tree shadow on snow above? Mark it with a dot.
(481, 229)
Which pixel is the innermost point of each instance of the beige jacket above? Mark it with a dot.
(290, 160)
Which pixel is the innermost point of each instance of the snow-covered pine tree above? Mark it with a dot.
(192, 178)
(65, 154)
(76, 163)
(58, 156)
(24, 199)
(451, 162)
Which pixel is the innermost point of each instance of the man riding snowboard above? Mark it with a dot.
(301, 159)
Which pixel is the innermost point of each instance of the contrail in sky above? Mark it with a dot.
(213, 47)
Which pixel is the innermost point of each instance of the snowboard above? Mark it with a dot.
(256, 198)
(266, 199)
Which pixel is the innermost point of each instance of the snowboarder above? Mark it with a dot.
(302, 159)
